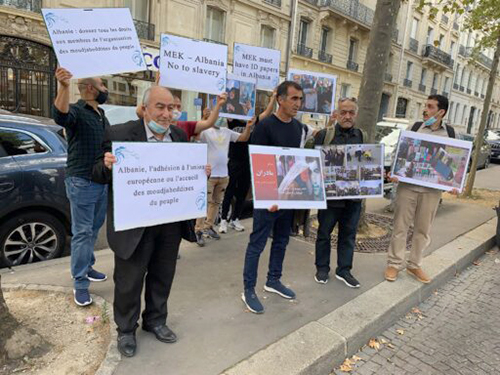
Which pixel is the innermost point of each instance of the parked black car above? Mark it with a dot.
(493, 139)
(485, 154)
(34, 210)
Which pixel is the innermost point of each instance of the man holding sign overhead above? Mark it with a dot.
(145, 254)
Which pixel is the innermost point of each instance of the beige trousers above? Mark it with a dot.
(215, 195)
(417, 205)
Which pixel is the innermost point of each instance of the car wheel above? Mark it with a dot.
(31, 237)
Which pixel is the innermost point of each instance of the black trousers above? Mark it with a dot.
(155, 260)
(239, 183)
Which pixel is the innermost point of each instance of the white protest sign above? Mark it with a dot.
(94, 42)
(193, 65)
(158, 182)
(262, 64)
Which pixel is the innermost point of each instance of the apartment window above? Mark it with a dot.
(422, 76)
(414, 28)
(138, 9)
(409, 70)
(430, 36)
(353, 49)
(469, 81)
(478, 84)
(325, 33)
(452, 49)
(457, 109)
(434, 80)
(457, 74)
(345, 90)
(267, 36)
(450, 112)
(401, 106)
(304, 28)
(441, 41)
(462, 78)
(446, 87)
(214, 27)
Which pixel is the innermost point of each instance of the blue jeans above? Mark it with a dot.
(88, 201)
(280, 223)
(347, 217)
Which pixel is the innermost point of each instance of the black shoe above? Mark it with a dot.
(321, 277)
(127, 344)
(212, 234)
(348, 279)
(162, 333)
(199, 239)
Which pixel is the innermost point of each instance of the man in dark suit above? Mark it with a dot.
(143, 252)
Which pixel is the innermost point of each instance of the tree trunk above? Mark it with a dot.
(372, 83)
(8, 325)
(478, 141)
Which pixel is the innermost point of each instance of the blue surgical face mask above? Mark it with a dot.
(156, 128)
(430, 121)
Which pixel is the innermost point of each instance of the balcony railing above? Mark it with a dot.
(476, 93)
(213, 41)
(445, 19)
(461, 88)
(462, 51)
(353, 9)
(455, 26)
(434, 91)
(351, 65)
(413, 46)
(276, 3)
(312, 2)
(407, 82)
(325, 57)
(388, 77)
(485, 60)
(304, 51)
(145, 30)
(437, 55)
(482, 96)
(469, 91)
(421, 87)
(455, 86)
(446, 94)
(30, 5)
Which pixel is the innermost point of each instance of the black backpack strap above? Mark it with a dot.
(416, 126)
(451, 131)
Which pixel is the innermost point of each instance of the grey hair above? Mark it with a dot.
(145, 96)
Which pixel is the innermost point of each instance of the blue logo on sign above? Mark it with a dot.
(122, 153)
(201, 200)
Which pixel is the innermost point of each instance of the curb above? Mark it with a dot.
(113, 357)
(321, 345)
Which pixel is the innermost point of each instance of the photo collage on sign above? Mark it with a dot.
(319, 91)
(353, 171)
(431, 162)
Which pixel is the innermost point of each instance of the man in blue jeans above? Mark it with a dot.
(84, 123)
(279, 129)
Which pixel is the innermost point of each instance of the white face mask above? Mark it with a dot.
(176, 115)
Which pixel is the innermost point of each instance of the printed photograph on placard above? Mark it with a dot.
(353, 171)
(290, 178)
(241, 98)
(432, 161)
(319, 91)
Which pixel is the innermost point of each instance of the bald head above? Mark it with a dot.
(90, 87)
(157, 105)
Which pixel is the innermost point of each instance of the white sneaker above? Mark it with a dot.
(236, 225)
(223, 226)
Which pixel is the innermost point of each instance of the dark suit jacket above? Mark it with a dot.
(124, 243)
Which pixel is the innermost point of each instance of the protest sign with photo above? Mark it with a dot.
(353, 171)
(158, 182)
(319, 91)
(287, 177)
(94, 42)
(431, 161)
(262, 64)
(193, 65)
(241, 98)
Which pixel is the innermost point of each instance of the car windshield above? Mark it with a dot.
(492, 136)
(387, 135)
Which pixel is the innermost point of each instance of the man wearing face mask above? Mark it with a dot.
(85, 124)
(192, 128)
(144, 256)
(417, 204)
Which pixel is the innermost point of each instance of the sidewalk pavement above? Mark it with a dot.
(215, 332)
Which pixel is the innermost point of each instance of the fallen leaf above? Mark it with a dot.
(346, 366)
(374, 344)
(497, 260)
(383, 341)
(415, 310)
(490, 252)
(400, 331)
(356, 358)
(476, 263)
(390, 346)
(408, 316)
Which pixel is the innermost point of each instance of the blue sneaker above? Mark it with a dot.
(251, 301)
(94, 275)
(82, 297)
(278, 288)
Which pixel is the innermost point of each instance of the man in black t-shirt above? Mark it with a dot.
(279, 129)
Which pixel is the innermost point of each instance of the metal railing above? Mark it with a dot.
(444, 93)
(145, 30)
(462, 51)
(485, 60)
(476, 93)
(421, 87)
(407, 83)
(455, 26)
(455, 86)
(276, 3)
(352, 9)
(434, 91)
(30, 5)
(437, 55)
(461, 88)
(388, 77)
(304, 51)
(482, 96)
(413, 45)
(351, 65)
(445, 19)
(469, 91)
(325, 57)
(312, 2)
